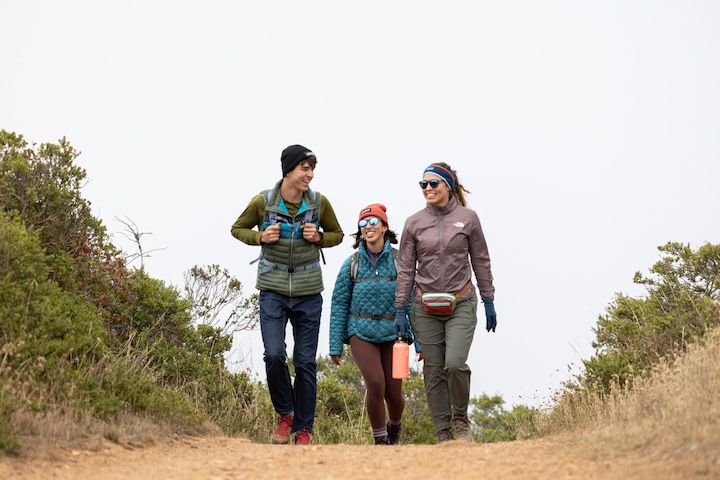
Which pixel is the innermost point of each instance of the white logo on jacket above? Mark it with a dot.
(458, 224)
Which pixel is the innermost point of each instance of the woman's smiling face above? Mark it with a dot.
(437, 196)
(374, 235)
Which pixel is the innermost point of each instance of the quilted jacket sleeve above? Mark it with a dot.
(340, 309)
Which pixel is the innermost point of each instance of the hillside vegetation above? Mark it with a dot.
(91, 348)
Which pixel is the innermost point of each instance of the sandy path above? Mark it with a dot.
(230, 458)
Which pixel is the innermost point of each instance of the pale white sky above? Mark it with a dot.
(587, 133)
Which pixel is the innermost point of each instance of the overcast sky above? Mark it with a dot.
(587, 132)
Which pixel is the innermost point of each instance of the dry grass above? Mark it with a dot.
(44, 434)
(674, 414)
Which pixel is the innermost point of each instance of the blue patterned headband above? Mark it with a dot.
(443, 173)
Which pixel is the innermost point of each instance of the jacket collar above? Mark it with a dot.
(451, 205)
(363, 248)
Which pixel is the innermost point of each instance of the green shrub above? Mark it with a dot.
(681, 305)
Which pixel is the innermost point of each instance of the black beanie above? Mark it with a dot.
(292, 156)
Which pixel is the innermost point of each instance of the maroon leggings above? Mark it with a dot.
(375, 363)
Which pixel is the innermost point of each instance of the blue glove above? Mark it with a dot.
(400, 320)
(490, 314)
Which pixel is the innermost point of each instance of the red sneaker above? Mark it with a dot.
(302, 437)
(282, 434)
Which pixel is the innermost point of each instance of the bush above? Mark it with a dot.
(81, 335)
(680, 306)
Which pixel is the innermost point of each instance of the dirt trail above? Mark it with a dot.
(216, 458)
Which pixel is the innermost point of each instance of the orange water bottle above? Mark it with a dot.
(400, 358)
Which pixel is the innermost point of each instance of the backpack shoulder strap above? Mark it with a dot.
(270, 217)
(354, 260)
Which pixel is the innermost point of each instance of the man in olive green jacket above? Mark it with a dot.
(293, 224)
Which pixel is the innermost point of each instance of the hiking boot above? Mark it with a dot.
(444, 435)
(384, 440)
(302, 437)
(282, 434)
(462, 428)
(394, 433)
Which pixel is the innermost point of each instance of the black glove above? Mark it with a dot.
(490, 314)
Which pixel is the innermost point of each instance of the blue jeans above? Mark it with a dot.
(304, 315)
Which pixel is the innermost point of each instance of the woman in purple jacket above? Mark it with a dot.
(441, 247)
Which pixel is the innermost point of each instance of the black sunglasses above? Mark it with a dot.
(433, 183)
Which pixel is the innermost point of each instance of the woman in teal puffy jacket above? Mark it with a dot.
(362, 314)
